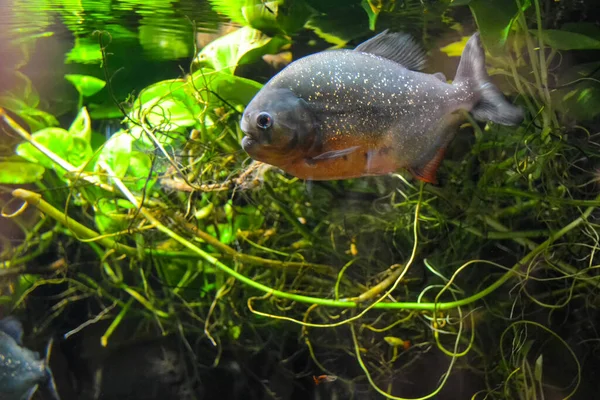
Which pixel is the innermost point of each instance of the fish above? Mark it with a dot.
(324, 378)
(21, 370)
(341, 114)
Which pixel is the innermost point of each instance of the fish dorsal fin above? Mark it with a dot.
(396, 46)
(13, 328)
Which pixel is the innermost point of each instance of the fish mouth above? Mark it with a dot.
(251, 146)
(248, 142)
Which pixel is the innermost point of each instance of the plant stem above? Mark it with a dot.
(84, 233)
(542, 54)
(535, 68)
(81, 232)
(35, 199)
(557, 200)
(502, 235)
(529, 257)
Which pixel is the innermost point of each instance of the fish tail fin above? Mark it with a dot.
(492, 105)
(51, 385)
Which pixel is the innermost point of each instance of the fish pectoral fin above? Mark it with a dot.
(396, 46)
(427, 172)
(333, 154)
(440, 76)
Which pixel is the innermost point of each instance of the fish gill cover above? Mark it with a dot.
(132, 216)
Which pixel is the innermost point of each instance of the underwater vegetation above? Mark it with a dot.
(165, 262)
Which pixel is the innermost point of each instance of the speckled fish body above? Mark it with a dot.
(350, 113)
(21, 370)
(361, 100)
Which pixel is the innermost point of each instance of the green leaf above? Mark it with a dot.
(235, 332)
(24, 86)
(538, 368)
(133, 167)
(204, 212)
(579, 100)
(244, 46)
(227, 235)
(233, 89)
(231, 8)
(24, 100)
(86, 85)
(584, 28)
(292, 15)
(165, 44)
(86, 51)
(82, 126)
(460, 2)
(117, 153)
(271, 17)
(80, 152)
(111, 215)
(57, 140)
(455, 49)
(104, 111)
(494, 19)
(563, 40)
(36, 119)
(169, 105)
(172, 107)
(175, 105)
(19, 173)
(342, 26)
(277, 17)
(262, 16)
(139, 170)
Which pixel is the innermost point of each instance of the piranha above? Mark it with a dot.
(343, 114)
(21, 370)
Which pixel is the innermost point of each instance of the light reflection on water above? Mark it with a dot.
(164, 28)
(147, 40)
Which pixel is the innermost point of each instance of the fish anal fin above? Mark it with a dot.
(428, 171)
(29, 394)
(396, 46)
(51, 386)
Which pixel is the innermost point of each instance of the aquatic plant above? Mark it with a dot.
(484, 275)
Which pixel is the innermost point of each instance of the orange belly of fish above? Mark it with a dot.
(361, 162)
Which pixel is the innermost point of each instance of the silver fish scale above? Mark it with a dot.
(359, 93)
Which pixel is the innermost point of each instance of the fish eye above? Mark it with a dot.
(264, 120)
